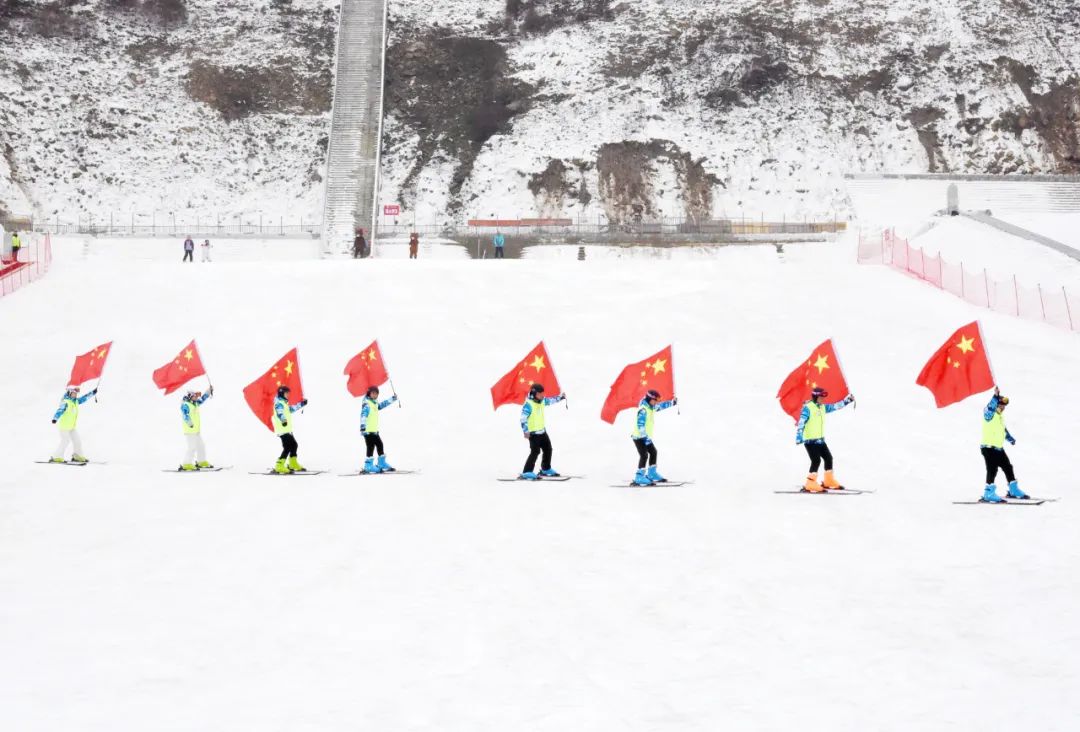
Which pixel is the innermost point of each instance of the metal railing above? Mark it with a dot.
(135, 225)
(673, 227)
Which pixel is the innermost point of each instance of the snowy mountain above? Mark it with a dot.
(577, 108)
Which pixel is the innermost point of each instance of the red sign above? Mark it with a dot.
(391, 209)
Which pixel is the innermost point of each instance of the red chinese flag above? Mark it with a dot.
(535, 368)
(821, 369)
(960, 368)
(182, 369)
(90, 365)
(366, 369)
(260, 393)
(655, 372)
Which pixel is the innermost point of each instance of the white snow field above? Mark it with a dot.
(132, 599)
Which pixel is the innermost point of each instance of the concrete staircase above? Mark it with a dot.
(352, 158)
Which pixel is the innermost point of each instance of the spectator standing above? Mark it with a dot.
(189, 249)
(16, 245)
(414, 245)
(359, 245)
(500, 242)
(206, 250)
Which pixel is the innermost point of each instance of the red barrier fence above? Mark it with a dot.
(35, 257)
(1053, 305)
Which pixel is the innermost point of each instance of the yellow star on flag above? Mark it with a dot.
(188, 354)
(538, 363)
(658, 366)
(822, 363)
(966, 344)
(371, 355)
(288, 368)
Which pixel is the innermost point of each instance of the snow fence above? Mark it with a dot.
(35, 257)
(1051, 305)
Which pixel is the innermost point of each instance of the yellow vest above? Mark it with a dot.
(649, 412)
(372, 424)
(993, 432)
(279, 428)
(536, 417)
(196, 421)
(15, 243)
(70, 416)
(814, 429)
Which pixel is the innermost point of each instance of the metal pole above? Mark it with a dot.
(1068, 310)
(1016, 294)
(1042, 304)
(962, 281)
(986, 284)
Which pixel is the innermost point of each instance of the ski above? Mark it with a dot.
(69, 462)
(385, 472)
(553, 479)
(214, 469)
(658, 484)
(1005, 502)
(845, 492)
(294, 472)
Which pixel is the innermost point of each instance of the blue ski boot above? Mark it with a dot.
(384, 467)
(1015, 492)
(549, 473)
(370, 466)
(990, 495)
(529, 476)
(654, 476)
(640, 478)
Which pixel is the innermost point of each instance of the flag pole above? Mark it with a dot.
(678, 409)
(199, 355)
(854, 404)
(566, 402)
(978, 326)
(102, 375)
(299, 371)
(388, 377)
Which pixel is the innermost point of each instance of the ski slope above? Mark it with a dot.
(132, 599)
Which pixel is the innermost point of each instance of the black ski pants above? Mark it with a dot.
(538, 443)
(995, 459)
(499, 253)
(818, 452)
(373, 443)
(189, 255)
(646, 453)
(288, 446)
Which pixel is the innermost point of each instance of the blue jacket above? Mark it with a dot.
(660, 406)
(526, 411)
(78, 400)
(279, 409)
(185, 408)
(499, 240)
(988, 414)
(804, 415)
(366, 410)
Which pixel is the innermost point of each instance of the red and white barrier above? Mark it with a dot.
(35, 258)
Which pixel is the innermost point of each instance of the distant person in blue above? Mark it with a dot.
(500, 243)
(534, 428)
(994, 437)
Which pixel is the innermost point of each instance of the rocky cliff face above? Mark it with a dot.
(576, 108)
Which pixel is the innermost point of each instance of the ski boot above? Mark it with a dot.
(57, 460)
(990, 494)
(281, 468)
(640, 478)
(529, 476)
(831, 483)
(371, 467)
(78, 459)
(654, 476)
(811, 485)
(203, 465)
(1015, 492)
(295, 466)
(384, 466)
(187, 467)
(549, 473)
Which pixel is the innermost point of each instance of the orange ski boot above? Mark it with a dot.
(831, 482)
(811, 485)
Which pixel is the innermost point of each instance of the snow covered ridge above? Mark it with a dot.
(569, 108)
(186, 106)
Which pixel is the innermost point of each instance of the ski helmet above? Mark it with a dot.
(1003, 400)
(282, 391)
(72, 390)
(536, 389)
(652, 394)
(818, 392)
(371, 390)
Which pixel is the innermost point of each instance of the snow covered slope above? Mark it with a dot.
(138, 600)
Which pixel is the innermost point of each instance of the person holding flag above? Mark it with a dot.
(283, 428)
(534, 428)
(195, 457)
(994, 437)
(65, 419)
(369, 428)
(643, 434)
(810, 432)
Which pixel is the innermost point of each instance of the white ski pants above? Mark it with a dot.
(205, 254)
(68, 437)
(196, 450)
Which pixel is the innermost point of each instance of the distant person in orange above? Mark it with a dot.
(414, 245)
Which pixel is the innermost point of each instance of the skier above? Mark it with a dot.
(642, 436)
(192, 423)
(369, 427)
(283, 428)
(65, 419)
(534, 430)
(810, 432)
(189, 250)
(994, 437)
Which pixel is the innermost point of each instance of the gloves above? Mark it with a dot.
(393, 398)
(675, 400)
(850, 399)
(525, 435)
(1012, 440)
(303, 402)
(798, 441)
(54, 421)
(210, 391)
(648, 441)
